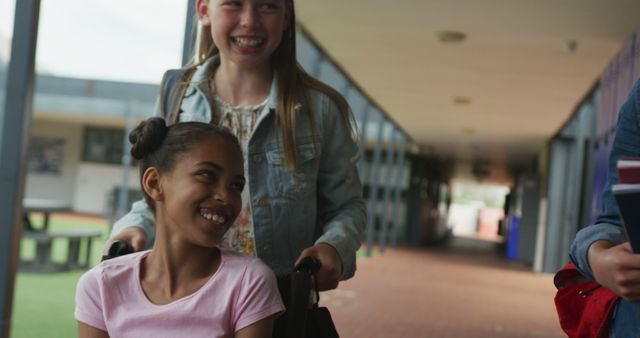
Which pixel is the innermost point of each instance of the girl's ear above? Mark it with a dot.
(151, 184)
(202, 12)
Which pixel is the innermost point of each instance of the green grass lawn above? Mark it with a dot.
(43, 303)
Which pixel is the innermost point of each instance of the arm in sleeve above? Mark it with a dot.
(89, 300)
(258, 297)
(341, 207)
(608, 225)
(140, 216)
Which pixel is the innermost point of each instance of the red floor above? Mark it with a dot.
(465, 291)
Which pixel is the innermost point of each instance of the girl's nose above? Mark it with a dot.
(249, 17)
(222, 196)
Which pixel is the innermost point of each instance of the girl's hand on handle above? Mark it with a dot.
(617, 268)
(134, 235)
(331, 269)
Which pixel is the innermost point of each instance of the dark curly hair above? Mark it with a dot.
(157, 145)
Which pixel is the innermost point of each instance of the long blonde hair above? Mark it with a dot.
(291, 79)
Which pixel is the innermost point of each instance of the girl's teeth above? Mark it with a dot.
(244, 42)
(214, 218)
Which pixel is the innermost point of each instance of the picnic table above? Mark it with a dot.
(43, 238)
(44, 206)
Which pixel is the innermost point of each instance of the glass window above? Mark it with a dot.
(387, 133)
(358, 104)
(374, 123)
(103, 145)
(330, 75)
(87, 41)
(307, 54)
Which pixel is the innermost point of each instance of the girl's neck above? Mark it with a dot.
(175, 269)
(242, 86)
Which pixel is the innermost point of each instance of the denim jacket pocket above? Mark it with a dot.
(297, 182)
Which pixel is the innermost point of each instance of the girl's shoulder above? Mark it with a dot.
(236, 261)
(329, 108)
(324, 93)
(125, 260)
(324, 100)
(119, 267)
(189, 73)
(121, 270)
(325, 105)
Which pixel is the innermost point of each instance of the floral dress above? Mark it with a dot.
(241, 120)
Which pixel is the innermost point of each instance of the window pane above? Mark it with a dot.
(103, 145)
(357, 103)
(307, 54)
(330, 75)
(375, 121)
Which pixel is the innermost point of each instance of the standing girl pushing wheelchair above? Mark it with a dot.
(303, 196)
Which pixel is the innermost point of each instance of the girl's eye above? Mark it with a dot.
(233, 4)
(209, 175)
(238, 186)
(269, 6)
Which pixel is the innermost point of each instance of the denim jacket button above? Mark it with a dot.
(262, 202)
(258, 158)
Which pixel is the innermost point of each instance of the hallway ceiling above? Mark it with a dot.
(514, 66)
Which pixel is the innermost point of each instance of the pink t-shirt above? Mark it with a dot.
(241, 292)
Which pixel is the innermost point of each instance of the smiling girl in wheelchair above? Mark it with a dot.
(186, 285)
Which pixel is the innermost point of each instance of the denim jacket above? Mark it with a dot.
(608, 225)
(320, 201)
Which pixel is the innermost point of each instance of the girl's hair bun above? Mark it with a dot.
(147, 137)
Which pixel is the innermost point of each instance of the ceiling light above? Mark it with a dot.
(414, 148)
(450, 36)
(461, 100)
(571, 45)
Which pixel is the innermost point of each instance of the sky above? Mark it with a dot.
(120, 40)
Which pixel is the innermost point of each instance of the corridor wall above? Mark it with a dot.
(383, 165)
(615, 84)
(568, 181)
(579, 156)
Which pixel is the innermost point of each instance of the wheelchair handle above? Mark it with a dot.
(308, 264)
(117, 248)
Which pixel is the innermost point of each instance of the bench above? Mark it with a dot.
(43, 263)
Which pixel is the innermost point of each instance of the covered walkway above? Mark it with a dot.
(464, 290)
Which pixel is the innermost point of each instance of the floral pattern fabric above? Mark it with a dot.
(241, 120)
